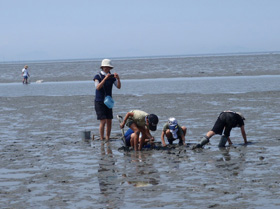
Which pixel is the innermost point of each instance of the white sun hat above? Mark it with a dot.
(106, 63)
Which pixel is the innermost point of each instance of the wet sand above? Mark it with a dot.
(46, 164)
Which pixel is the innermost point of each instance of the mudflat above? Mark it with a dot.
(46, 164)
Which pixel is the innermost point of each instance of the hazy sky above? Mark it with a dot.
(77, 29)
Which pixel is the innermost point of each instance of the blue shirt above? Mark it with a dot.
(128, 133)
(106, 90)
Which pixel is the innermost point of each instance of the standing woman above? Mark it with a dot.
(104, 81)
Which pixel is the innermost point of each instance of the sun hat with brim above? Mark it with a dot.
(153, 121)
(106, 63)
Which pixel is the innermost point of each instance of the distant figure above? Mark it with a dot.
(172, 130)
(225, 122)
(25, 75)
(104, 82)
(140, 122)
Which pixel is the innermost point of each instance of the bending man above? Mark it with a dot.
(140, 122)
(225, 122)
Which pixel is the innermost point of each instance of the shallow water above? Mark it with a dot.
(46, 164)
(140, 68)
(200, 85)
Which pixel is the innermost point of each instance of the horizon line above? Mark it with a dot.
(141, 57)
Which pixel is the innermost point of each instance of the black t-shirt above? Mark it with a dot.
(231, 120)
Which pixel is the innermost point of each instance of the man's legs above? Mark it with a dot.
(133, 141)
(204, 140)
(145, 137)
(210, 134)
(136, 131)
(223, 141)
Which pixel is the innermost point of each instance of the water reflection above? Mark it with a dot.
(225, 153)
(231, 165)
(140, 170)
(112, 193)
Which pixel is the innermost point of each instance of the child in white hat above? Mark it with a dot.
(172, 130)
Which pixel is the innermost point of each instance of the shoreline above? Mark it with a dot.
(162, 77)
(144, 77)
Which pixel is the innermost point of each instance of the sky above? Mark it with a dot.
(86, 29)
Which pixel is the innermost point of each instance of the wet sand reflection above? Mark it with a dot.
(112, 193)
(140, 170)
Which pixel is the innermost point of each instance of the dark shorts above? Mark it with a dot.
(102, 111)
(219, 126)
(25, 77)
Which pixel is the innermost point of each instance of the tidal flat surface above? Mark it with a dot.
(46, 164)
